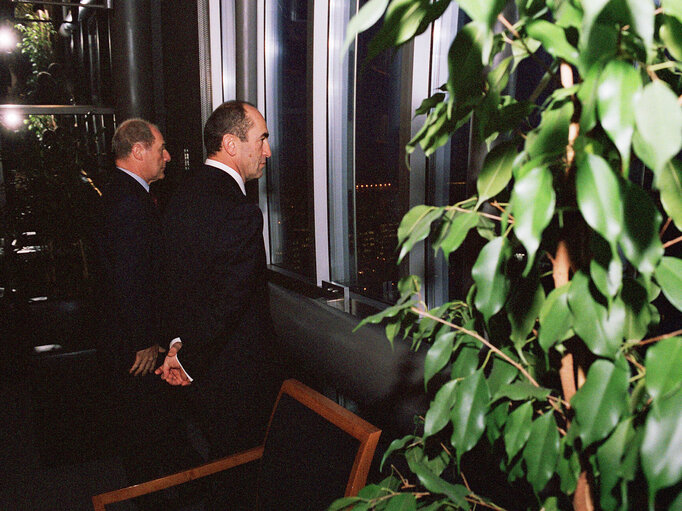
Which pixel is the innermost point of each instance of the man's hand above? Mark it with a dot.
(145, 361)
(171, 371)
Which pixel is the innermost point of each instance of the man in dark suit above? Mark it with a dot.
(218, 304)
(128, 241)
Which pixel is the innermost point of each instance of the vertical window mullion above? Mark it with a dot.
(320, 12)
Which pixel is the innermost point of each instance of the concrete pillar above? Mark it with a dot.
(132, 64)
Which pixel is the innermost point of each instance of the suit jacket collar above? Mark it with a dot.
(229, 171)
(137, 178)
(222, 180)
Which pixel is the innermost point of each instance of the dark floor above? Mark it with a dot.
(49, 441)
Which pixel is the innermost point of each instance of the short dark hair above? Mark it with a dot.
(128, 134)
(230, 117)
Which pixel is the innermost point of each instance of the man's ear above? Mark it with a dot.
(137, 151)
(229, 144)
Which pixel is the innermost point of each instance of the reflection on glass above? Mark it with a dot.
(52, 55)
(289, 172)
(378, 185)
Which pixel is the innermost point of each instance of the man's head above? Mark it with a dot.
(236, 134)
(138, 147)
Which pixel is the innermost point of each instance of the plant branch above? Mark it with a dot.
(660, 338)
(634, 362)
(487, 215)
(665, 227)
(475, 335)
(672, 242)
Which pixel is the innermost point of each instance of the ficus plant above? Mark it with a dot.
(556, 369)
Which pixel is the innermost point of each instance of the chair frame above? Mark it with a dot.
(367, 434)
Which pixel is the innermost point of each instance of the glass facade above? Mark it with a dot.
(288, 112)
(364, 109)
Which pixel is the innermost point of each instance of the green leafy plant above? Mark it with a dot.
(554, 369)
(37, 37)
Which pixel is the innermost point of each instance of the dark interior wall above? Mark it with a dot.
(180, 96)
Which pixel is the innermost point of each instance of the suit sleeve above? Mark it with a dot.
(227, 284)
(131, 244)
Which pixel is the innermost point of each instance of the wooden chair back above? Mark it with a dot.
(314, 451)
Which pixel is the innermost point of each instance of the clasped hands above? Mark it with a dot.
(145, 360)
(171, 371)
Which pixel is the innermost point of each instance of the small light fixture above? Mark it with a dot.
(8, 39)
(12, 120)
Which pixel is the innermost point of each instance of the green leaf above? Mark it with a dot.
(396, 445)
(496, 171)
(455, 492)
(520, 51)
(429, 103)
(465, 64)
(542, 451)
(485, 12)
(591, 11)
(502, 373)
(404, 19)
(549, 139)
(609, 460)
(663, 368)
(553, 39)
(568, 467)
(619, 87)
(468, 414)
(412, 220)
(669, 183)
(387, 313)
(659, 124)
(567, 15)
(533, 201)
(367, 16)
(642, 19)
(606, 268)
(638, 315)
(599, 197)
(673, 8)
(669, 277)
(517, 429)
(522, 391)
(345, 503)
(671, 34)
(601, 330)
(602, 45)
(587, 94)
(438, 414)
(416, 226)
(602, 400)
(639, 241)
(495, 421)
(466, 362)
(662, 443)
(524, 306)
(439, 354)
(492, 285)
(454, 232)
(555, 317)
(402, 502)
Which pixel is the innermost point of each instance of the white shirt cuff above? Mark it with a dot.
(177, 339)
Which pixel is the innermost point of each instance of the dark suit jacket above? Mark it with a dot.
(128, 242)
(214, 274)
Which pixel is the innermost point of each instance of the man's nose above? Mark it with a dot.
(166, 155)
(266, 149)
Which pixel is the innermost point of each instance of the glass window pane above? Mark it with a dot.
(379, 192)
(288, 111)
(52, 55)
